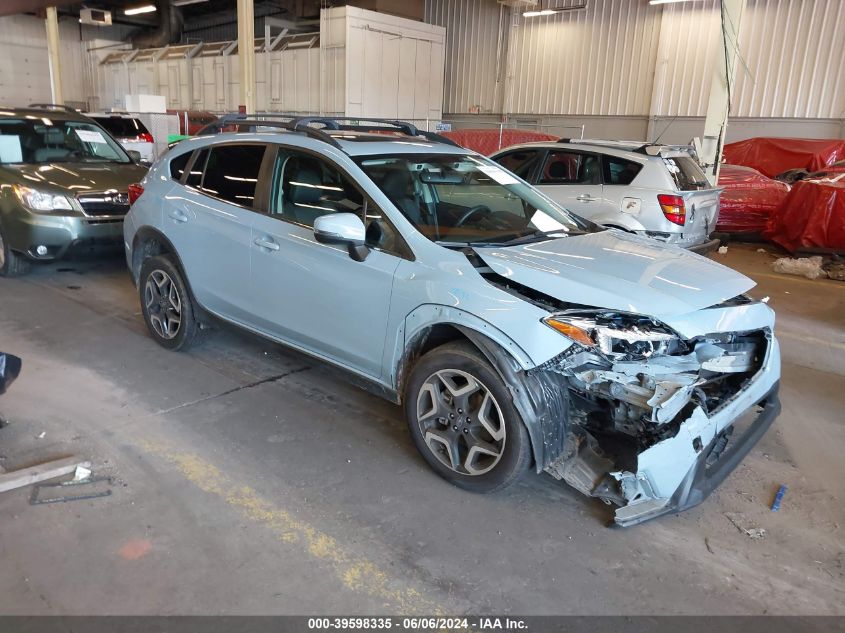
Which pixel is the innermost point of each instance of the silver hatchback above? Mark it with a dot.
(658, 191)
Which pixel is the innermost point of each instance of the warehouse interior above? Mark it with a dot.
(253, 475)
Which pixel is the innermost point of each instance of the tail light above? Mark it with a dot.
(673, 208)
(146, 137)
(135, 191)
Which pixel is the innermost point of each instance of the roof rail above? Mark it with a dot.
(54, 106)
(290, 126)
(381, 125)
(304, 125)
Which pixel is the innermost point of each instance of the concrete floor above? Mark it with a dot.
(250, 480)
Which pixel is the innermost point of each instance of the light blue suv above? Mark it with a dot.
(513, 332)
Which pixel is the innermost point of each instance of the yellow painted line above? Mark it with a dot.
(354, 571)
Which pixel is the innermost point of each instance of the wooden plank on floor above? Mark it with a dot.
(25, 476)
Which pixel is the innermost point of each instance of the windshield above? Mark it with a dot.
(467, 199)
(36, 140)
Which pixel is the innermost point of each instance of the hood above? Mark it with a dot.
(611, 269)
(77, 178)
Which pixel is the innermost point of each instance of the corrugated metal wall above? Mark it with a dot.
(796, 53)
(599, 60)
(629, 58)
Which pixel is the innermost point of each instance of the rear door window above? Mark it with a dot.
(122, 127)
(231, 173)
(519, 162)
(566, 167)
(618, 171)
(194, 178)
(686, 173)
(178, 165)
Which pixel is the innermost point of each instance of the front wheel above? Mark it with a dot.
(166, 304)
(463, 421)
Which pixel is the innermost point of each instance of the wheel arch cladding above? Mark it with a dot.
(540, 398)
(149, 242)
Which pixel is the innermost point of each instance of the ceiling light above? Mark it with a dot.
(144, 8)
(553, 10)
(182, 3)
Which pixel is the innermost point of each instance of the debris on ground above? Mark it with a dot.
(809, 267)
(36, 498)
(723, 250)
(707, 545)
(744, 525)
(41, 435)
(81, 473)
(778, 498)
(836, 271)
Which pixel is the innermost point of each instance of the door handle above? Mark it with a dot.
(268, 243)
(585, 197)
(177, 215)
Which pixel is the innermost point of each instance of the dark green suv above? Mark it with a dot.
(63, 185)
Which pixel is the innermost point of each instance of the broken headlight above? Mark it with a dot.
(617, 335)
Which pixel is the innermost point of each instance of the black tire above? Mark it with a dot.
(12, 264)
(156, 269)
(454, 360)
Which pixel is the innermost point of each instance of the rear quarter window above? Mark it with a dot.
(686, 173)
(618, 171)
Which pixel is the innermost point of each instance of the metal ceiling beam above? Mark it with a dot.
(10, 7)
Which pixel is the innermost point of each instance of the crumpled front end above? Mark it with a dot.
(661, 413)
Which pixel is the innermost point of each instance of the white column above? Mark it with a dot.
(724, 72)
(246, 53)
(53, 54)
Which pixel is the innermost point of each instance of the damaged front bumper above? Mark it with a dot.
(710, 466)
(656, 436)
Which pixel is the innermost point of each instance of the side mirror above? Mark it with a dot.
(343, 229)
(135, 155)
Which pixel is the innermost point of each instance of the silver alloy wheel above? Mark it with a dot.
(163, 303)
(461, 422)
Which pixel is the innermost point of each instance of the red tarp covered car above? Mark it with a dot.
(811, 216)
(772, 156)
(487, 141)
(748, 200)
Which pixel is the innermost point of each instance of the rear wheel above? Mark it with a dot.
(166, 304)
(463, 421)
(11, 264)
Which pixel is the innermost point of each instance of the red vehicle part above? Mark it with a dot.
(772, 156)
(748, 200)
(487, 141)
(811, 216)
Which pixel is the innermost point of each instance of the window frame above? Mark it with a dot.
(403, 249)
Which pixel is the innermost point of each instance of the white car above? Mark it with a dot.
(658, 191)
(130, 132)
